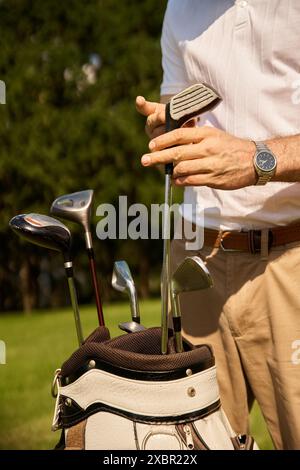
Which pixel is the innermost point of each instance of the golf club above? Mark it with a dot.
(76, 207)
(191, 274)
(182, 107)
(131, 327)
(52, 234)
(122, 281)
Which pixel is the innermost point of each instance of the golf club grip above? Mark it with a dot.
(96, 286)
(177, 332)
(168, 166)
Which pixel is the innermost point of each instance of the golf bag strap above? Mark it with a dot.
(75, 439)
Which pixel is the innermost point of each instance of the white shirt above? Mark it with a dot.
(249, 51)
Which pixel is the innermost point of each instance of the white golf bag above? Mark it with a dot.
(122, 393)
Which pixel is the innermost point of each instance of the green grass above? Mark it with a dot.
(36, 346)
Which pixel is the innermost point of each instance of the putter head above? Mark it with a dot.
(131, 327)
(191, 274)
(189, 103)
(122, 281)
(44, 231)
(75, 207)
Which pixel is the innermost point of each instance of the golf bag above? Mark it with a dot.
(122, 393)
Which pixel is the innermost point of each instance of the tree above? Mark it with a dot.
(72, 71)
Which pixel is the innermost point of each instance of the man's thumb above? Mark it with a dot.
(145, 107)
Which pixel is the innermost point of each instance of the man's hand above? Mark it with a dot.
(204, 156)
(155, 113)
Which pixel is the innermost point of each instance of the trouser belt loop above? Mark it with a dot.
(260, 241)
(264, 245)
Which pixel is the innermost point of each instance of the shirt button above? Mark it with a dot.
(241, 3)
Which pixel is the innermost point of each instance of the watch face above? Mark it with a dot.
(265, 161)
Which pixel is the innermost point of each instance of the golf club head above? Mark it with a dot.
(191, 274)
(191, 102)
(44, 231)
(131, 327)
(75, 207)
(122, 281)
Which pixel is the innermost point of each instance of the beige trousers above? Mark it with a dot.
(251, 317)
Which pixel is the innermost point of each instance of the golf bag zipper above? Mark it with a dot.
(188, 437)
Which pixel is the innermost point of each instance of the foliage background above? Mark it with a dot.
(63, 130)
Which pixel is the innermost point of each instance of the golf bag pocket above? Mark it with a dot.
(122, 393)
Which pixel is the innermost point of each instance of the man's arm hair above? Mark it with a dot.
(287, 152)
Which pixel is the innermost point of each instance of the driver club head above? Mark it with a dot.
(122, 281)
(192, 274)
(75, 207)
(44, 231)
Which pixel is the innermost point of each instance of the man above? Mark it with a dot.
(242, 167)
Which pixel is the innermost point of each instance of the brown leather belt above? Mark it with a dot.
(251, 240)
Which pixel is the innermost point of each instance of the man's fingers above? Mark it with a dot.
(145, 107)
(155, 132)
(194, 180)
(192, 167)
(182, 136)
(155, 120)
(175, 154)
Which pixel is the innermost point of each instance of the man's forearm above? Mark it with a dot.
(287, 151)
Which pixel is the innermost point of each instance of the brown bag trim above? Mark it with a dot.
(75, 439)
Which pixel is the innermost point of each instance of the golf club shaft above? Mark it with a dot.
(177, 322)
(74, 302)
(134, 306)
(96, 286)
(165, 275)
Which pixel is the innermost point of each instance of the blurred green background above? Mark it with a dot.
(72, 71)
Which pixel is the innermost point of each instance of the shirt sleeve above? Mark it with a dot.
(174, 72)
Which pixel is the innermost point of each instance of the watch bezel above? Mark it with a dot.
(262, 169)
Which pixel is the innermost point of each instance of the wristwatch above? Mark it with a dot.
(265, 163)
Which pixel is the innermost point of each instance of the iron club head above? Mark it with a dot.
(122, 281)
(131, 327)
(189, 103)
(191, 274)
